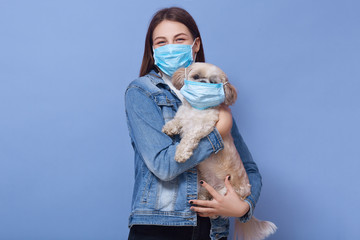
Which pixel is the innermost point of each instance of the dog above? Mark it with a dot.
(193, 125)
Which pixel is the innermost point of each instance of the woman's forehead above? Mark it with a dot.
(170, 29)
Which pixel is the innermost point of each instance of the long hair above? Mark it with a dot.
(172, 14)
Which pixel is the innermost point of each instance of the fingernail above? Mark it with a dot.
(229, 177)
(191, 202)
(201, 182)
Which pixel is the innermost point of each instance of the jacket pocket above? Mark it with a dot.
(167, 106)
(166, 195)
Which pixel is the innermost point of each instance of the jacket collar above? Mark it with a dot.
(156, 78)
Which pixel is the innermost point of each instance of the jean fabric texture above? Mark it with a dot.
(164, 187)
(150, 232)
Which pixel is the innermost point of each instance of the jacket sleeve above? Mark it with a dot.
(251, 170)
(145, 121)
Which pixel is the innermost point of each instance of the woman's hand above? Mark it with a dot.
(229, 205)
(224, 124)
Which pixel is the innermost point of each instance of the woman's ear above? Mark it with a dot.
(230, 93)
(196, 46)
(178, 78)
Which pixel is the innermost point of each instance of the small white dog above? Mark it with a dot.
(193, 125)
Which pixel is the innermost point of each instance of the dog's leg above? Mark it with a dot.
(172, 127)
(190, 141)
(186, 147)
(223, 191)
(204, 194)
(243, 191)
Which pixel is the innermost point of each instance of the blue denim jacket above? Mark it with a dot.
(164, 187)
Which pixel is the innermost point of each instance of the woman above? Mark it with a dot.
(164, 204)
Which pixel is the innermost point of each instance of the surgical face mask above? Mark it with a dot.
(203, 95)
(171, 57)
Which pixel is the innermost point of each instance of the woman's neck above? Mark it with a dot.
(167, 80)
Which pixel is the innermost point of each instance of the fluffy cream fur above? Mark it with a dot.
(193, 125)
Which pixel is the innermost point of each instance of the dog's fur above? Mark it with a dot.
(193, 124)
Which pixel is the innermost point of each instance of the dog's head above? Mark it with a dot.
(206, 73)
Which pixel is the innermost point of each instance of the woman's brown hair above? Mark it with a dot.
(172, 14)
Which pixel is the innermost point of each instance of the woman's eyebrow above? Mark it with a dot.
(180, 34)
(177, 35)
(158, 37)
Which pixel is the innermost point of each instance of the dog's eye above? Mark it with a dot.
(213, 79)
(196, 76)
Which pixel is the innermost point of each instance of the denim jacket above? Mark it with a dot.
(164, 187)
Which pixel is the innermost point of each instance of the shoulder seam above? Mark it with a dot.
(141, 85)
(138, 88)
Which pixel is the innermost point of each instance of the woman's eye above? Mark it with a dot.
(160, 43)
(180, 39)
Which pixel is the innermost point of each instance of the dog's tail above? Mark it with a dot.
(254, 229)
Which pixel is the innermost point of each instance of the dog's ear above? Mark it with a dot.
(230, 93)
(178, 78)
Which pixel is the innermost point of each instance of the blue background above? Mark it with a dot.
(66, 163)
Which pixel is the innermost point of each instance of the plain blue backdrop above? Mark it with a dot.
(66, 163)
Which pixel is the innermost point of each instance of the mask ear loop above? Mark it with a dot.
(193, 42)
(192, 45)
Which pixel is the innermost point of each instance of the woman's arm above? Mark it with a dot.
(225, 122)
(251, 170)
(145, 121)
(230, 204)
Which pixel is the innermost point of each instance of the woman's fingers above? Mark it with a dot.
(202, 210)
(203, 203)
(211, 190)
(205, 215)
(228, 205)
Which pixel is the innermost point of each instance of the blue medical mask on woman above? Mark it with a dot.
(171, 57)
(203, 95)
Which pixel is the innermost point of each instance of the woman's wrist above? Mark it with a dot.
(245, 208)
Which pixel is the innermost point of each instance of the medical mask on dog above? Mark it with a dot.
(203, 95)
(171, 57)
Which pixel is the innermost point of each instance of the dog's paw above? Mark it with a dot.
(169, 130)
(166, 130)
(180, 159)
(182, 154)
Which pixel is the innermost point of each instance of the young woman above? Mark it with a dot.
(164, 204)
